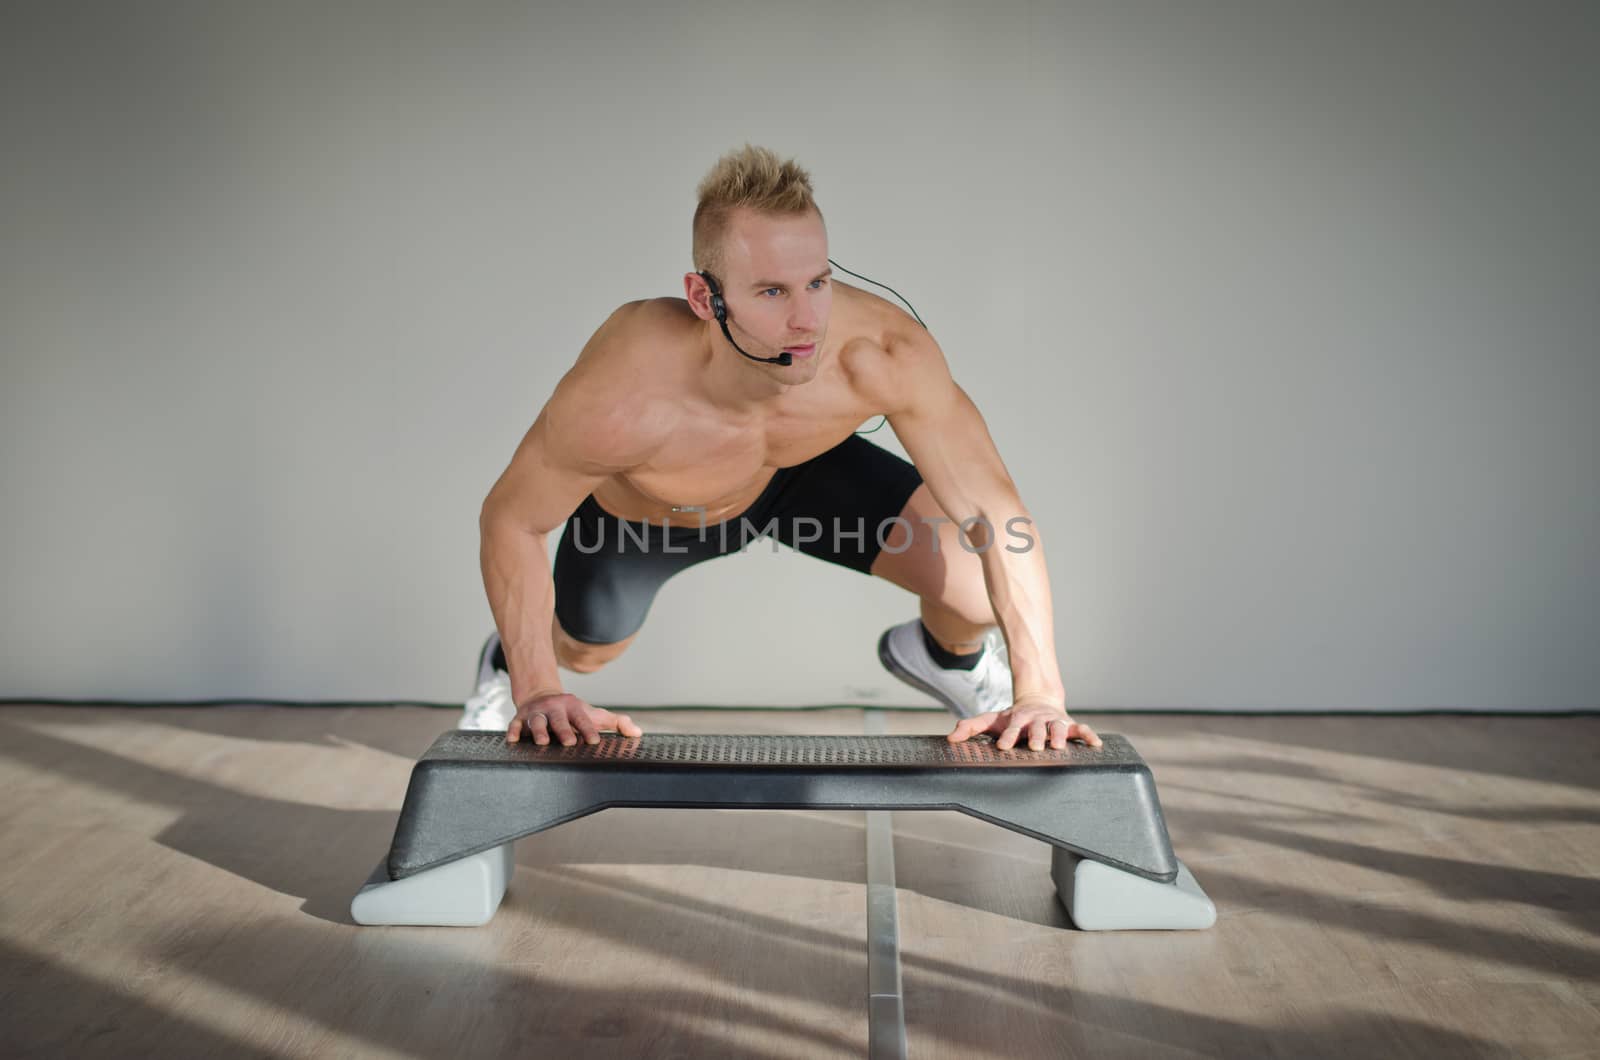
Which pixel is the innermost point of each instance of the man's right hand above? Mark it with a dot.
(566, 717)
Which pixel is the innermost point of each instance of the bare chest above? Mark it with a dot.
(715, 468)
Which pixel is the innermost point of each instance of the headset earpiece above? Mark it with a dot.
(719, 308)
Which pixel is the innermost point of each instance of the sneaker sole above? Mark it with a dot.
(893, 666)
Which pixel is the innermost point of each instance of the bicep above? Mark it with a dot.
(947, 438)
(581, 437)
(544, 483)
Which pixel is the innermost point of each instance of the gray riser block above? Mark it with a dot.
(462, 893)
(1101, 898)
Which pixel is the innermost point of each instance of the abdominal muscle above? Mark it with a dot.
(712, 490)
(620, 496)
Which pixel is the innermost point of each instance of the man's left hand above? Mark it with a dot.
(1044, 721)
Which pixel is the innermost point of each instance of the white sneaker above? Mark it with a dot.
(490, 659)
(965, 693)
(490, 707)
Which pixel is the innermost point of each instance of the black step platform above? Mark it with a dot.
(472, 794)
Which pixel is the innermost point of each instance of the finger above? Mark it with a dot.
(1038, 731)
(540, 724)
(561, 729)
(1008, 738)
(963, 729)
(587, 728)
(1086, 734)
(514, 730)
(626, 726)
(1059, 729)
(968, 727)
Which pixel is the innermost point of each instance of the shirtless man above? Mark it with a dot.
(679, 434)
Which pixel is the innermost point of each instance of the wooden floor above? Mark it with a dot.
(176, 882)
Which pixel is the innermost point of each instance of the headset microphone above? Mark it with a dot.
(719, 309)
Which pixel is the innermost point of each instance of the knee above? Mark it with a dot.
(582, 657)
(584, 663)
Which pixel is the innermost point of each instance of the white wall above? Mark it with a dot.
(1283, 316)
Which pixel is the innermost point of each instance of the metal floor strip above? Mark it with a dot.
(886, 1013)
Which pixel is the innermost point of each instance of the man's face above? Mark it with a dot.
(777, 286)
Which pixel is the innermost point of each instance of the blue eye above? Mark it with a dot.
(814, 284)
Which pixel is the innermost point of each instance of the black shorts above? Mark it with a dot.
(840, 506)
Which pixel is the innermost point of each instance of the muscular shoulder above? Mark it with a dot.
(615, 407)
(633, 331)
(892, 360)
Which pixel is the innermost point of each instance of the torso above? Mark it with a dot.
(715, 462)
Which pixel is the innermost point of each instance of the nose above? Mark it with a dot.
(803, 318)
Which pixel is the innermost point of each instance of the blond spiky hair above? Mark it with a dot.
(750, 178)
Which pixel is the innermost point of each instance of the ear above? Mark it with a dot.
(697, 290)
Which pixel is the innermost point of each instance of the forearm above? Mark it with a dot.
(516, 577)
(1019, 592)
